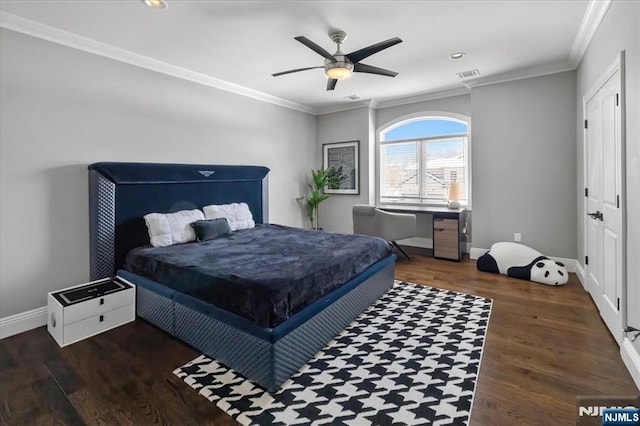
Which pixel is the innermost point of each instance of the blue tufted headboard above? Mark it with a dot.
(120, 194)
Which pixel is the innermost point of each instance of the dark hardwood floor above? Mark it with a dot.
(545, 345)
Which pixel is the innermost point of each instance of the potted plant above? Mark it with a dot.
(321, 178)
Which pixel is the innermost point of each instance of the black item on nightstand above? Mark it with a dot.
(90, 291)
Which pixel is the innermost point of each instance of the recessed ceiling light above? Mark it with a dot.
(156, 4)
(457, 55)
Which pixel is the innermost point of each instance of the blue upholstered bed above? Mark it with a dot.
(266, 349)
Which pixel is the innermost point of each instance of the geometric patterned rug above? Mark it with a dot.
(411, 358)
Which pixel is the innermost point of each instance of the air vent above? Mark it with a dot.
(352, 97)
(467, 74)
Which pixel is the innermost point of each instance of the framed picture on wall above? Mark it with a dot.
(342, 160)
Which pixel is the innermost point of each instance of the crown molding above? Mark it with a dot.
(593, 16)
(65, 38)
(423, 97)
(343, 107)
(375, 104)
(520, 74)
(595, 13)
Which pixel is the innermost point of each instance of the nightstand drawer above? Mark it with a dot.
(97, 306)
(446, 224)
(446, 249)
(98, 323)
(446, 239)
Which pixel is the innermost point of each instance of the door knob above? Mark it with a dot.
(597, 215)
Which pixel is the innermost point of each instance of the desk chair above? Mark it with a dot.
(369, 220)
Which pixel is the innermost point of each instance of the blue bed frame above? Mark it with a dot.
(120, 194)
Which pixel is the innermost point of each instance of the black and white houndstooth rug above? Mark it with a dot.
(411, 358)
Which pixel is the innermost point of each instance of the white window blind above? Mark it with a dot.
(420, 171)
(399, 170)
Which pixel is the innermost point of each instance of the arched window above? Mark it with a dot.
(419, 157)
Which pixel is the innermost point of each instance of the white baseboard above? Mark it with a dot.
(631, 359)
(570, 264)
(475, 252)
(25, 321)
(580, 274)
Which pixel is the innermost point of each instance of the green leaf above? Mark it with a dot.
(320, 180)
(322, 197)
(319, 177)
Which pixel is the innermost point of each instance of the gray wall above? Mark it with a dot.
(63, 109)
(523, 154)
(524, 163)
(620, 30)
(343, 126)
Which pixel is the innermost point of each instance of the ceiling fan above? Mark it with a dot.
(340, 65)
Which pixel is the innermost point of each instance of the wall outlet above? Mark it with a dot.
(517, 237)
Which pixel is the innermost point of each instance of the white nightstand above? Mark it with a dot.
(85, 310)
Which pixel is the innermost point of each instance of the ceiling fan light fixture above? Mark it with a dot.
(338, 66)
(338, 70)
(338, 73)
(156, 4)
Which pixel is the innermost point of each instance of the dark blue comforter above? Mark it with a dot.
(265, 274)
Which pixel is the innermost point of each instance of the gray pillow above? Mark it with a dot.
(211, 229)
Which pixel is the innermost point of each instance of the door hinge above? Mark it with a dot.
(586, 260)
(617, 201)
(586, 126)
(586, 192)
(617, 99)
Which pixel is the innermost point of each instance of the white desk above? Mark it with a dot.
(448, 226)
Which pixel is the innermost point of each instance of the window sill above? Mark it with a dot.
(416, 207)
(397, 208)
(415, 204)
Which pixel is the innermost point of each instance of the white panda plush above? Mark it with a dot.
(520, 261)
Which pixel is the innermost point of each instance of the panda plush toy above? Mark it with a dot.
(520, 261)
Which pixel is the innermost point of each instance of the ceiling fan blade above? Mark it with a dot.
(331, 83)
(365, 52)
(311, 45)
(360, 67)
(296, 70)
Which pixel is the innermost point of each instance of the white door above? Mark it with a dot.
(604, 214)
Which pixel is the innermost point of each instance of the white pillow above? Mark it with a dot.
(172, 228)
(237, 214)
